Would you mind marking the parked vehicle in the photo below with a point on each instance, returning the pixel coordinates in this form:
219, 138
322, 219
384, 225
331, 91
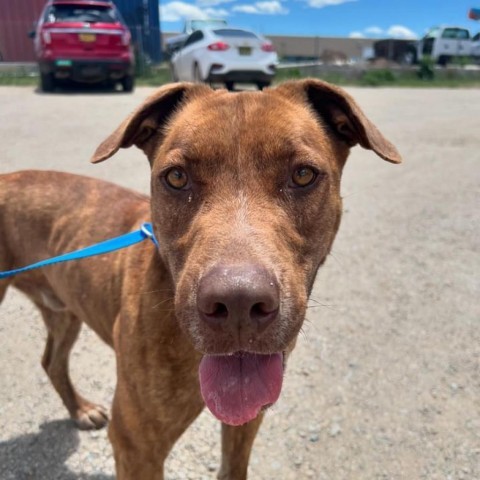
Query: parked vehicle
476, 46
175, 43
443, 44
84, 41
225, 55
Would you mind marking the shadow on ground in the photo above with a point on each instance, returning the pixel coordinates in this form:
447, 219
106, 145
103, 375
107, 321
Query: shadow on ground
43, 455
82, 89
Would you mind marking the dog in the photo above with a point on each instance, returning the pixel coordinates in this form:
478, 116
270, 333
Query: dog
245, 204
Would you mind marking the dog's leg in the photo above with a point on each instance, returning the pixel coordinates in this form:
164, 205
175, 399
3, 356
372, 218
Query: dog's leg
236, 447
142, 434
63, 329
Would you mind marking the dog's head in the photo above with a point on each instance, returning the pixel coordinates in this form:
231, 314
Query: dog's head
245, 204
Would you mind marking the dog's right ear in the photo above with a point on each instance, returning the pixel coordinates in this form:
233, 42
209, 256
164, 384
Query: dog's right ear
148, 119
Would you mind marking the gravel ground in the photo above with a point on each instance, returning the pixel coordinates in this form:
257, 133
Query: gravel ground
385, 381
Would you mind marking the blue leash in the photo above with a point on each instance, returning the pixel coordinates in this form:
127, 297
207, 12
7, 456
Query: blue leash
117, 243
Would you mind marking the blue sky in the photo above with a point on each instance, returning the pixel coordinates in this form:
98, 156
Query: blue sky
367, 18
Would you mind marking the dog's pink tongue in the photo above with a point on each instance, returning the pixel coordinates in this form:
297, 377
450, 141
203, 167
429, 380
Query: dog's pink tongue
236, 387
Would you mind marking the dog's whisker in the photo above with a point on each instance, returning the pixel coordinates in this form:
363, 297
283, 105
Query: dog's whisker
169, 290
335, 257
163, 302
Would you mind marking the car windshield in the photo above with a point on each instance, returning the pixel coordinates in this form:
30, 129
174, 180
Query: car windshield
433, 33
230, 32
81, 13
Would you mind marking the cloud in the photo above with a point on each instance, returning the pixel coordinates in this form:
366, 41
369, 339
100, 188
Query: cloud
272, 7
212, 3
399, 31
395, 31
176, 11
374, 30
216, 12
327, 3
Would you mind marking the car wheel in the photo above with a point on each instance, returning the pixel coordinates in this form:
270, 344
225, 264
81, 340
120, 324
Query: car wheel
262, 85
47, 82
229, 86
128, 83
197, 76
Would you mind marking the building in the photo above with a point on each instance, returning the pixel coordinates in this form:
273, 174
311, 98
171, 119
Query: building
17, 19
143, 20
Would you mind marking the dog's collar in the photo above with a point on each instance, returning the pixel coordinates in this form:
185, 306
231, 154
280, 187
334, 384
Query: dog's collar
123, 241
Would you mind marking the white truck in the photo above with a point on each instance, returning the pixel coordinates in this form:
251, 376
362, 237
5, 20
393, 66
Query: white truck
443, 44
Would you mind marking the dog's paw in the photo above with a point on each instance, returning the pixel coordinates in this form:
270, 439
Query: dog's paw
91, 417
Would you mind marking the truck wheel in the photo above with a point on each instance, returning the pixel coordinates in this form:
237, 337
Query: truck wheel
443, 60
47, 82
229, 86
128, 83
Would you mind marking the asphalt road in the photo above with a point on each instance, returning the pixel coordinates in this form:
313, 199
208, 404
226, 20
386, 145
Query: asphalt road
385, 381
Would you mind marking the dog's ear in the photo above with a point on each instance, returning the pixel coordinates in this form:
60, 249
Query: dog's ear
338, 110
148, 119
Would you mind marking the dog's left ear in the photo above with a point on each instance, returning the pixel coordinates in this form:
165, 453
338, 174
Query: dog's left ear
141, 126
338, 110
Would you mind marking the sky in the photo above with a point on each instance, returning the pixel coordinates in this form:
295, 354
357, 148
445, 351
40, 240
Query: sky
325, 18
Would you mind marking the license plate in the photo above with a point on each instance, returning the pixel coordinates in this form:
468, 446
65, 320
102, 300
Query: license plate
87, 37
63, 63
245, 50
91, 71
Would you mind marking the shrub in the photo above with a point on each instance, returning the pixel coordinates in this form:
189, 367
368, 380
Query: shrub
425, 69
374, 78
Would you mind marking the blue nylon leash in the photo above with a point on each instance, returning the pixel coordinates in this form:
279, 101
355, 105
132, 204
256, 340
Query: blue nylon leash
116, 243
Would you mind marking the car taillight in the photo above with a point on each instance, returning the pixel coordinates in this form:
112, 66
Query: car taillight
219, 46
268, 47
46, 37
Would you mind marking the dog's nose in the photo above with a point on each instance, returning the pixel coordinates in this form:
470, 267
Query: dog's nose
237, 296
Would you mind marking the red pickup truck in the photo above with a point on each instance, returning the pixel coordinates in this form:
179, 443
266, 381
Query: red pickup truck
83, 41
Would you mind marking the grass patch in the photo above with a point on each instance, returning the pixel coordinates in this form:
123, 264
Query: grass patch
154, 77
424, 77
10, 80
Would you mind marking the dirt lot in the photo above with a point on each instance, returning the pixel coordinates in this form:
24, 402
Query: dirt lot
385, 381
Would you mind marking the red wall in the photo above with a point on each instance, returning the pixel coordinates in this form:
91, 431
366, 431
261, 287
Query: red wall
16, 20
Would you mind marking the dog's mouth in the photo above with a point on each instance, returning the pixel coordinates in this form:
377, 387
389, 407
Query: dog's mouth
236, 388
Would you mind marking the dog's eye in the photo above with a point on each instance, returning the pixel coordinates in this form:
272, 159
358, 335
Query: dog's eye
176, 178
303, 177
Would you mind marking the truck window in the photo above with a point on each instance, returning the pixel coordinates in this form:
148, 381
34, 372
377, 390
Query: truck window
456, 34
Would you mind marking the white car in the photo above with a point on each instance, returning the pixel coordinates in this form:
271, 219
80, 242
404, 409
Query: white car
225, 55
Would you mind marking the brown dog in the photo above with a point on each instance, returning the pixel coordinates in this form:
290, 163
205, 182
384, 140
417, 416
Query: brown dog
245, 204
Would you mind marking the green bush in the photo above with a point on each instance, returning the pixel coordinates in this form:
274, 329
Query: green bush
426, 68
460, 61
374, 78
288, 74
